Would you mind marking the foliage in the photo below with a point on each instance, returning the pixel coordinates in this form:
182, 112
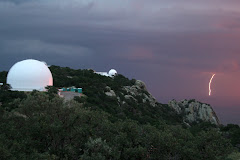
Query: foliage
232, 132
3, 76
7, 97
97, 149
94, 87
50, 128
234, 156
52, 90
41, 125
203, 126
5, 87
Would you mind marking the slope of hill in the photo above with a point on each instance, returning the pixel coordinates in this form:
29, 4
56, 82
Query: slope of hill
119, 96
116, 119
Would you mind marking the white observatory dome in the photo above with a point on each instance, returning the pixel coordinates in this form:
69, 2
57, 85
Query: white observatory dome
28, 75
112, 72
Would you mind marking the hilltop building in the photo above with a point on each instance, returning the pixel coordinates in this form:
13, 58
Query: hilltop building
70, 93
29, 75
111, 73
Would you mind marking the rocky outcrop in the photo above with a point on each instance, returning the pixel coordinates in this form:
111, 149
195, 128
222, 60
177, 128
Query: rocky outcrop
110, 92
139, 91
191, 111
194, 111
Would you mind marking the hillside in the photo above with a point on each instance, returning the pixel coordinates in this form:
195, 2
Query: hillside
130, 98
117, 118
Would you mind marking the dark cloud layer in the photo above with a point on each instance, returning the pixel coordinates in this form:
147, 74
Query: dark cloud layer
173, 46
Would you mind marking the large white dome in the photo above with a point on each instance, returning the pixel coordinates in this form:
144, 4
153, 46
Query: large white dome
28, 75
112, 72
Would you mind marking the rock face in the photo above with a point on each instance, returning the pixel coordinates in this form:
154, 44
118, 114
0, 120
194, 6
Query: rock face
190, 111
139, 90
194, 111
110, 92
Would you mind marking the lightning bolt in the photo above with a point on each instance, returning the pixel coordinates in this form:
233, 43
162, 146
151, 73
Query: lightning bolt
210, 82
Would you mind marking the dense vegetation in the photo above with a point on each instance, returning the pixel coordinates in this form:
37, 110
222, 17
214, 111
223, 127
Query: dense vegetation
41, 125
94, 87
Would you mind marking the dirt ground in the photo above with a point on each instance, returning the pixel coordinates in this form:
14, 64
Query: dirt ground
69, 95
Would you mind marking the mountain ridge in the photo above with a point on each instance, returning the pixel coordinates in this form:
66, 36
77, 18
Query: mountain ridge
116, 118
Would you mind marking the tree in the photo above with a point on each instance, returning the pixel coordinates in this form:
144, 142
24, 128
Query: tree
98, 149
212, 145
5, 87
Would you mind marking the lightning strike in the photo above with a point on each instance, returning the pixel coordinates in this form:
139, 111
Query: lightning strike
210, 82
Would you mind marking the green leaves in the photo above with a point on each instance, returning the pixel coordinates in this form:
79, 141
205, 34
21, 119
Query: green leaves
98, 149
41, 125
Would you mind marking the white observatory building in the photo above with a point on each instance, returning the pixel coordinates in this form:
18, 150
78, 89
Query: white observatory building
29, 75
111, 73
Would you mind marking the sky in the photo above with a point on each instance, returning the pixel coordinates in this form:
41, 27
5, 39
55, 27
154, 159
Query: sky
173, 46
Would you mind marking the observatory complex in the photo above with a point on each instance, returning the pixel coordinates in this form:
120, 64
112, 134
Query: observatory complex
29, 75
111, 73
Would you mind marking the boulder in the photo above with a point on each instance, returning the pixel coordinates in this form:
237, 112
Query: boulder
111, 93
194, 111
139, 90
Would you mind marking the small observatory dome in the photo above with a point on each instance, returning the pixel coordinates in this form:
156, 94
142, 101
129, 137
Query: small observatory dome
112, 72
29, 75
